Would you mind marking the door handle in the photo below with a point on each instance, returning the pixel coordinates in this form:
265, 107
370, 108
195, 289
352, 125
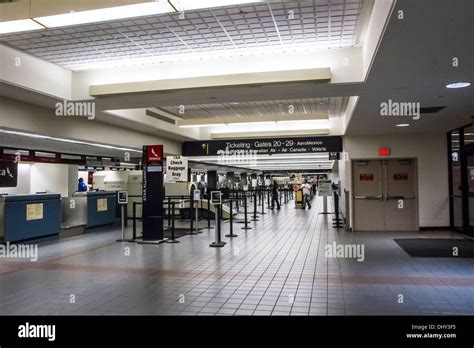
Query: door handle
369, 197
400, 197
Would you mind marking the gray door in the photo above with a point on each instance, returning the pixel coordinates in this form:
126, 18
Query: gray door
401, 205
368, 195
385, 195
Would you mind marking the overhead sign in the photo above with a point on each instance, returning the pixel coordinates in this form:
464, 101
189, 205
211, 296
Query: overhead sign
262, 146
176, 169
8, 173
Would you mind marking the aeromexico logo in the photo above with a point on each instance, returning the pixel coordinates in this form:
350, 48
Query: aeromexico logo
76, 109
394, 108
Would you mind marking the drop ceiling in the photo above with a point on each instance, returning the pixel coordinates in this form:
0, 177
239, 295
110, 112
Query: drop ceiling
275, 25
332, 107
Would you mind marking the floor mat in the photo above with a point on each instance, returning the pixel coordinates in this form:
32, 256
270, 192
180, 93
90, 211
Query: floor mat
428, 247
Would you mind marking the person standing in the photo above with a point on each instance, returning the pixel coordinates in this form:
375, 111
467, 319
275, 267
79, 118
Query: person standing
306, 188
81, 186
275, 195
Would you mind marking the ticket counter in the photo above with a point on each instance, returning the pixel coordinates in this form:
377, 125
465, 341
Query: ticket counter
99, 208
24, 217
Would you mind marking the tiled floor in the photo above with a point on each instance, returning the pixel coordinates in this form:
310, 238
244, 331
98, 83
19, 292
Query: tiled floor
277, 268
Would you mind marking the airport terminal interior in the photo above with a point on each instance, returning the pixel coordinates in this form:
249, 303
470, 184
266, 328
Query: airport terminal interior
237, 157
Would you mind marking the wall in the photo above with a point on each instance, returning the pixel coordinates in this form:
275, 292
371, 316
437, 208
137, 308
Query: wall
41, 177
430, 150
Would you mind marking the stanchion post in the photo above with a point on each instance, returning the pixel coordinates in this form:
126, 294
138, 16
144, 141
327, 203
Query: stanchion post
246, 227
218, 243
231, 234
134, 220
172, 240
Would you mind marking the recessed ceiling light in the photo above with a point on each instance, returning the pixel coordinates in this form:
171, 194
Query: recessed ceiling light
105, 14
403, 125
458, 85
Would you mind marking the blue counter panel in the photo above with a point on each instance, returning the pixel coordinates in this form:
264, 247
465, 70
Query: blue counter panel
18, 228
99, 218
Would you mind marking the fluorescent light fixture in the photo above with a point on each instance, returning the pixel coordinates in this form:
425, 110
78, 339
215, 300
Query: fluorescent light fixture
78, 142
106, 14
403, 125
458, 85
185, 5
19, 26
250, 123
203, 125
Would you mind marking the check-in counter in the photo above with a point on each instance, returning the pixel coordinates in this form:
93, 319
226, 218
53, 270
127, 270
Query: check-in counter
24, 217
100, 207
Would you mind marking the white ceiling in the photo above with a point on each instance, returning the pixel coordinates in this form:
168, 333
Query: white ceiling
333, 107
276, 25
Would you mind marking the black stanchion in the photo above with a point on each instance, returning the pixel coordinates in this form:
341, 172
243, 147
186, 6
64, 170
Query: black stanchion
208, 212
134, 220
246, 227
268, 199
231, 234
255, 207
172, 240
191, 209
169, 215
218, 243
337, 221
262, 193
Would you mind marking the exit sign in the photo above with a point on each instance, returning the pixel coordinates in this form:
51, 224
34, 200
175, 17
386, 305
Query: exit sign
384, 151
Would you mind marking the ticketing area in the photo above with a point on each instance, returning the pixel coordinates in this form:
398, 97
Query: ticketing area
215, 167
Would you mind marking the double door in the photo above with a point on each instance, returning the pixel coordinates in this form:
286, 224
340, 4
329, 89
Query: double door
385, 195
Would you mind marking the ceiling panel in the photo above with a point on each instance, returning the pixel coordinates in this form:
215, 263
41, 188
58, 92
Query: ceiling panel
277, 25
334, 106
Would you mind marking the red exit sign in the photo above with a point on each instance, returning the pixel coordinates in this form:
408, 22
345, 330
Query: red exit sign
384, 151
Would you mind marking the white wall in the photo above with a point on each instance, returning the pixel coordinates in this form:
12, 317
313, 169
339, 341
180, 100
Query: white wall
41, 177
50, 178
430, 150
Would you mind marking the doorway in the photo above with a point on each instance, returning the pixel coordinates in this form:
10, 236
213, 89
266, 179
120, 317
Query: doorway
385, 195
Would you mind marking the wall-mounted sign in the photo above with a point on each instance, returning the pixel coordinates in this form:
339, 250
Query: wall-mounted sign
384, 151
366, 177
8, 173
34, 211
176, 169
102, 204
400, 176
250, 147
